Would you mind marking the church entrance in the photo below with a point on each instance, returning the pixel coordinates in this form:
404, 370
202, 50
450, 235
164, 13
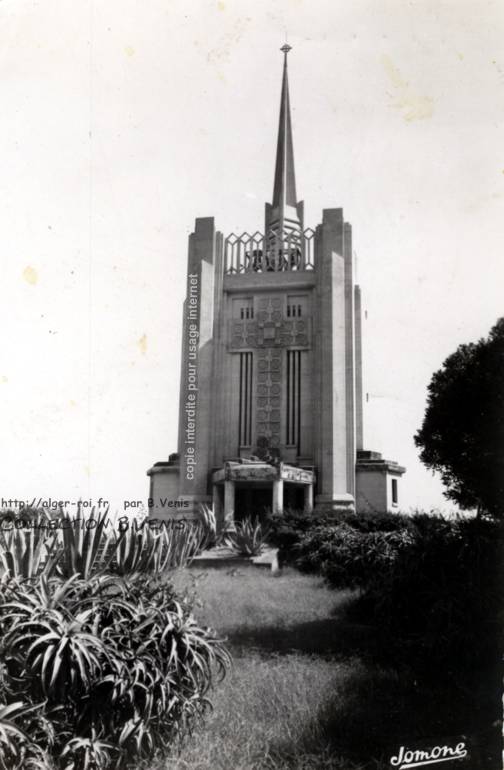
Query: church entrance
251, 489
252, 502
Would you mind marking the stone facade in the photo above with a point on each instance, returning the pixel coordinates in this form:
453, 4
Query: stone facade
271, 375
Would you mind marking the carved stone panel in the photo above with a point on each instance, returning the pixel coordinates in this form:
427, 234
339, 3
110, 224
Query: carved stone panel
269, 329
269, 391
269, 333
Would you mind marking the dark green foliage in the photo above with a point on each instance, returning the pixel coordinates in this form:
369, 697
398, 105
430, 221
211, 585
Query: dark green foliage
287, 529
441, 597
372, 522
432, 586
347, 557
462, 434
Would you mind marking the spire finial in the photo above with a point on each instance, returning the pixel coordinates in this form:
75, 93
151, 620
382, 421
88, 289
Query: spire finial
284, 213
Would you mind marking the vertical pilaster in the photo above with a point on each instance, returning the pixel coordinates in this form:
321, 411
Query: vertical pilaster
196, 404
359, 421
217, 507
278, 485
229, 503
331, 374
219, 413
308, 498
349, 357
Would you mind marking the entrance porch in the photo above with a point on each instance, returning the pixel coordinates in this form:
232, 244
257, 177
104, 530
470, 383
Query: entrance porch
249, 488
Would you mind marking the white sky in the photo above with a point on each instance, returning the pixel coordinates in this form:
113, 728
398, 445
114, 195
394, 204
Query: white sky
120, 122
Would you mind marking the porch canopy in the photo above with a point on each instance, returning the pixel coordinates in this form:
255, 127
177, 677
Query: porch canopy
255, 474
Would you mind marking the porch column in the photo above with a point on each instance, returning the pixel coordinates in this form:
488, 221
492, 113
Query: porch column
229, 504
278, 496
217, 506
308, 498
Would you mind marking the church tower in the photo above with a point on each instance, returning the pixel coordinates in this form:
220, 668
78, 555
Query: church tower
270, 410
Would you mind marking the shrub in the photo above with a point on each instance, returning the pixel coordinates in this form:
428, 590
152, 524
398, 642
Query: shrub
441, 597
286, 530
112, 669
381, 521
432, 586
346, 557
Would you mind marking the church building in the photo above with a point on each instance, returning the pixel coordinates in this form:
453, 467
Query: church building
271, 400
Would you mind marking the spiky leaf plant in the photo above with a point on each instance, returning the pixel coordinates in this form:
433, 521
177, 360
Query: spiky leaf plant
183, 541
248, 537
209, 524
120, 664
17, 749
28, 545
142, 549
87, 753
85, 544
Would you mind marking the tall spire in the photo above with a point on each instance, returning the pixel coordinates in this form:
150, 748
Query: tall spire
284, 213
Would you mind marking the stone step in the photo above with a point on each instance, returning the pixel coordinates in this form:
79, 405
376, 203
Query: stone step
226, 558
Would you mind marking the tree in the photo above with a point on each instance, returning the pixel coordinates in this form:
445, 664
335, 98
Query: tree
462, 435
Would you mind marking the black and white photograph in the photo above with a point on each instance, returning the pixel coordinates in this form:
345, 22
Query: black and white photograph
251, 384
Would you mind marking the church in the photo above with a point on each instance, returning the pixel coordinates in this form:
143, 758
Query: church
271, 398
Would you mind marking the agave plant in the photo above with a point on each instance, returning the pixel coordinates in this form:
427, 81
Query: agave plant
248, 537
120, 663
57, 653
27, 551
209, 524
137, 551
87, 753
184, 541
17, 750
140, 549
85, 544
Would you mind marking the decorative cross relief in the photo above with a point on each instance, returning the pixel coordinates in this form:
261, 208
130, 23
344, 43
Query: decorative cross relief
268, 396
268, 334
270, 329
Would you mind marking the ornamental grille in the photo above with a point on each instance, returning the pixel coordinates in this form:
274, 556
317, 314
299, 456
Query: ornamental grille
257, 253
245, 408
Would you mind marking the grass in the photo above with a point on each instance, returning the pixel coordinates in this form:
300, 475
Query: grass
309, 689
248, 600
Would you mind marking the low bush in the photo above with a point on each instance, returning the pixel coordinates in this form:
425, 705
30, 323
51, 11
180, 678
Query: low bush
347, 557
380, 521
432, 585
441, 597
286, 530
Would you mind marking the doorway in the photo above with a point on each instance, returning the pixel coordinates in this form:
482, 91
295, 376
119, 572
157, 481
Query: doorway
293, 497
252, 502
